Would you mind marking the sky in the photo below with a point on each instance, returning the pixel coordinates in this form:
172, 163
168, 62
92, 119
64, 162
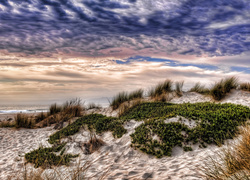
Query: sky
55, 50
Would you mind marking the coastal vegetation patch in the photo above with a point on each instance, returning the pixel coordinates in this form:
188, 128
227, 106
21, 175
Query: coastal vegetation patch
214, 124
47, 157
97, 122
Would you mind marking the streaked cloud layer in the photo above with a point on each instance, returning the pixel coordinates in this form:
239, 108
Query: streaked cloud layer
58, 48
89, 27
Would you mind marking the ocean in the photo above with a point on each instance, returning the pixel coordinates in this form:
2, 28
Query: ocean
9, 109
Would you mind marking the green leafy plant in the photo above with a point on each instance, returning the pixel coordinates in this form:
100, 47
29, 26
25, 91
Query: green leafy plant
214, 124
46, 157
96, 122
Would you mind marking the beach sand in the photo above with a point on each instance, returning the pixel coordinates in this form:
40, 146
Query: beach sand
116, 159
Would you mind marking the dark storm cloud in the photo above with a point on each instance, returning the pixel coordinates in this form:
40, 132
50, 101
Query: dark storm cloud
196, 27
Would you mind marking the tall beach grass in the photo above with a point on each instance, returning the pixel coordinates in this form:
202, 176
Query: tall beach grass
232, 162
224, 86
199, 89
245, 86
122, 97
161, 88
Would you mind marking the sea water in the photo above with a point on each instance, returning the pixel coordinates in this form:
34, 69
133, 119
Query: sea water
11, 109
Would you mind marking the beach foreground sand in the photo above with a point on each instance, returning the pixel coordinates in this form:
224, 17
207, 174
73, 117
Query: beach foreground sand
116, 159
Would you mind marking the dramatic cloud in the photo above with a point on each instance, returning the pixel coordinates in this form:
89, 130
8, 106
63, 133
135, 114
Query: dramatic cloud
58, 49
89, 27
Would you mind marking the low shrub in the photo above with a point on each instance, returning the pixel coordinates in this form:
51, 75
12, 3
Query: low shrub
96, 122
169, 134
214, 124
46, 157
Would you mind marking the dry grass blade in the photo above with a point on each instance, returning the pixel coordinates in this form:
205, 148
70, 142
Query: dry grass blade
122, 97
245, 86
232, 162
221, 88
23, 120
93, 106
199, 88
161, 88
178, 88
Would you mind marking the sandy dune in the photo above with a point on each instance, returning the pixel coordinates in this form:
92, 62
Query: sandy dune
116, 156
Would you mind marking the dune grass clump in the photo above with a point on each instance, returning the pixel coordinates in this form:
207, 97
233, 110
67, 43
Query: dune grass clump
126, 106
137, 94
120, 98
96, 122
60, 113
199, 89
93, 106
7, 124
221, 88
232, 162
214, 124
46, 157
124, 97
178, 88
73, 107
245, 86
41, 116
23, 121
93, 144
54, 109
161, 89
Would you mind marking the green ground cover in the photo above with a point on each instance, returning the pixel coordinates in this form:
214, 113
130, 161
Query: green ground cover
96, 122
214, 124
46, 157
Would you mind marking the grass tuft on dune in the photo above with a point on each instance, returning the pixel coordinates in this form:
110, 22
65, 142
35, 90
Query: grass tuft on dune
232, 162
